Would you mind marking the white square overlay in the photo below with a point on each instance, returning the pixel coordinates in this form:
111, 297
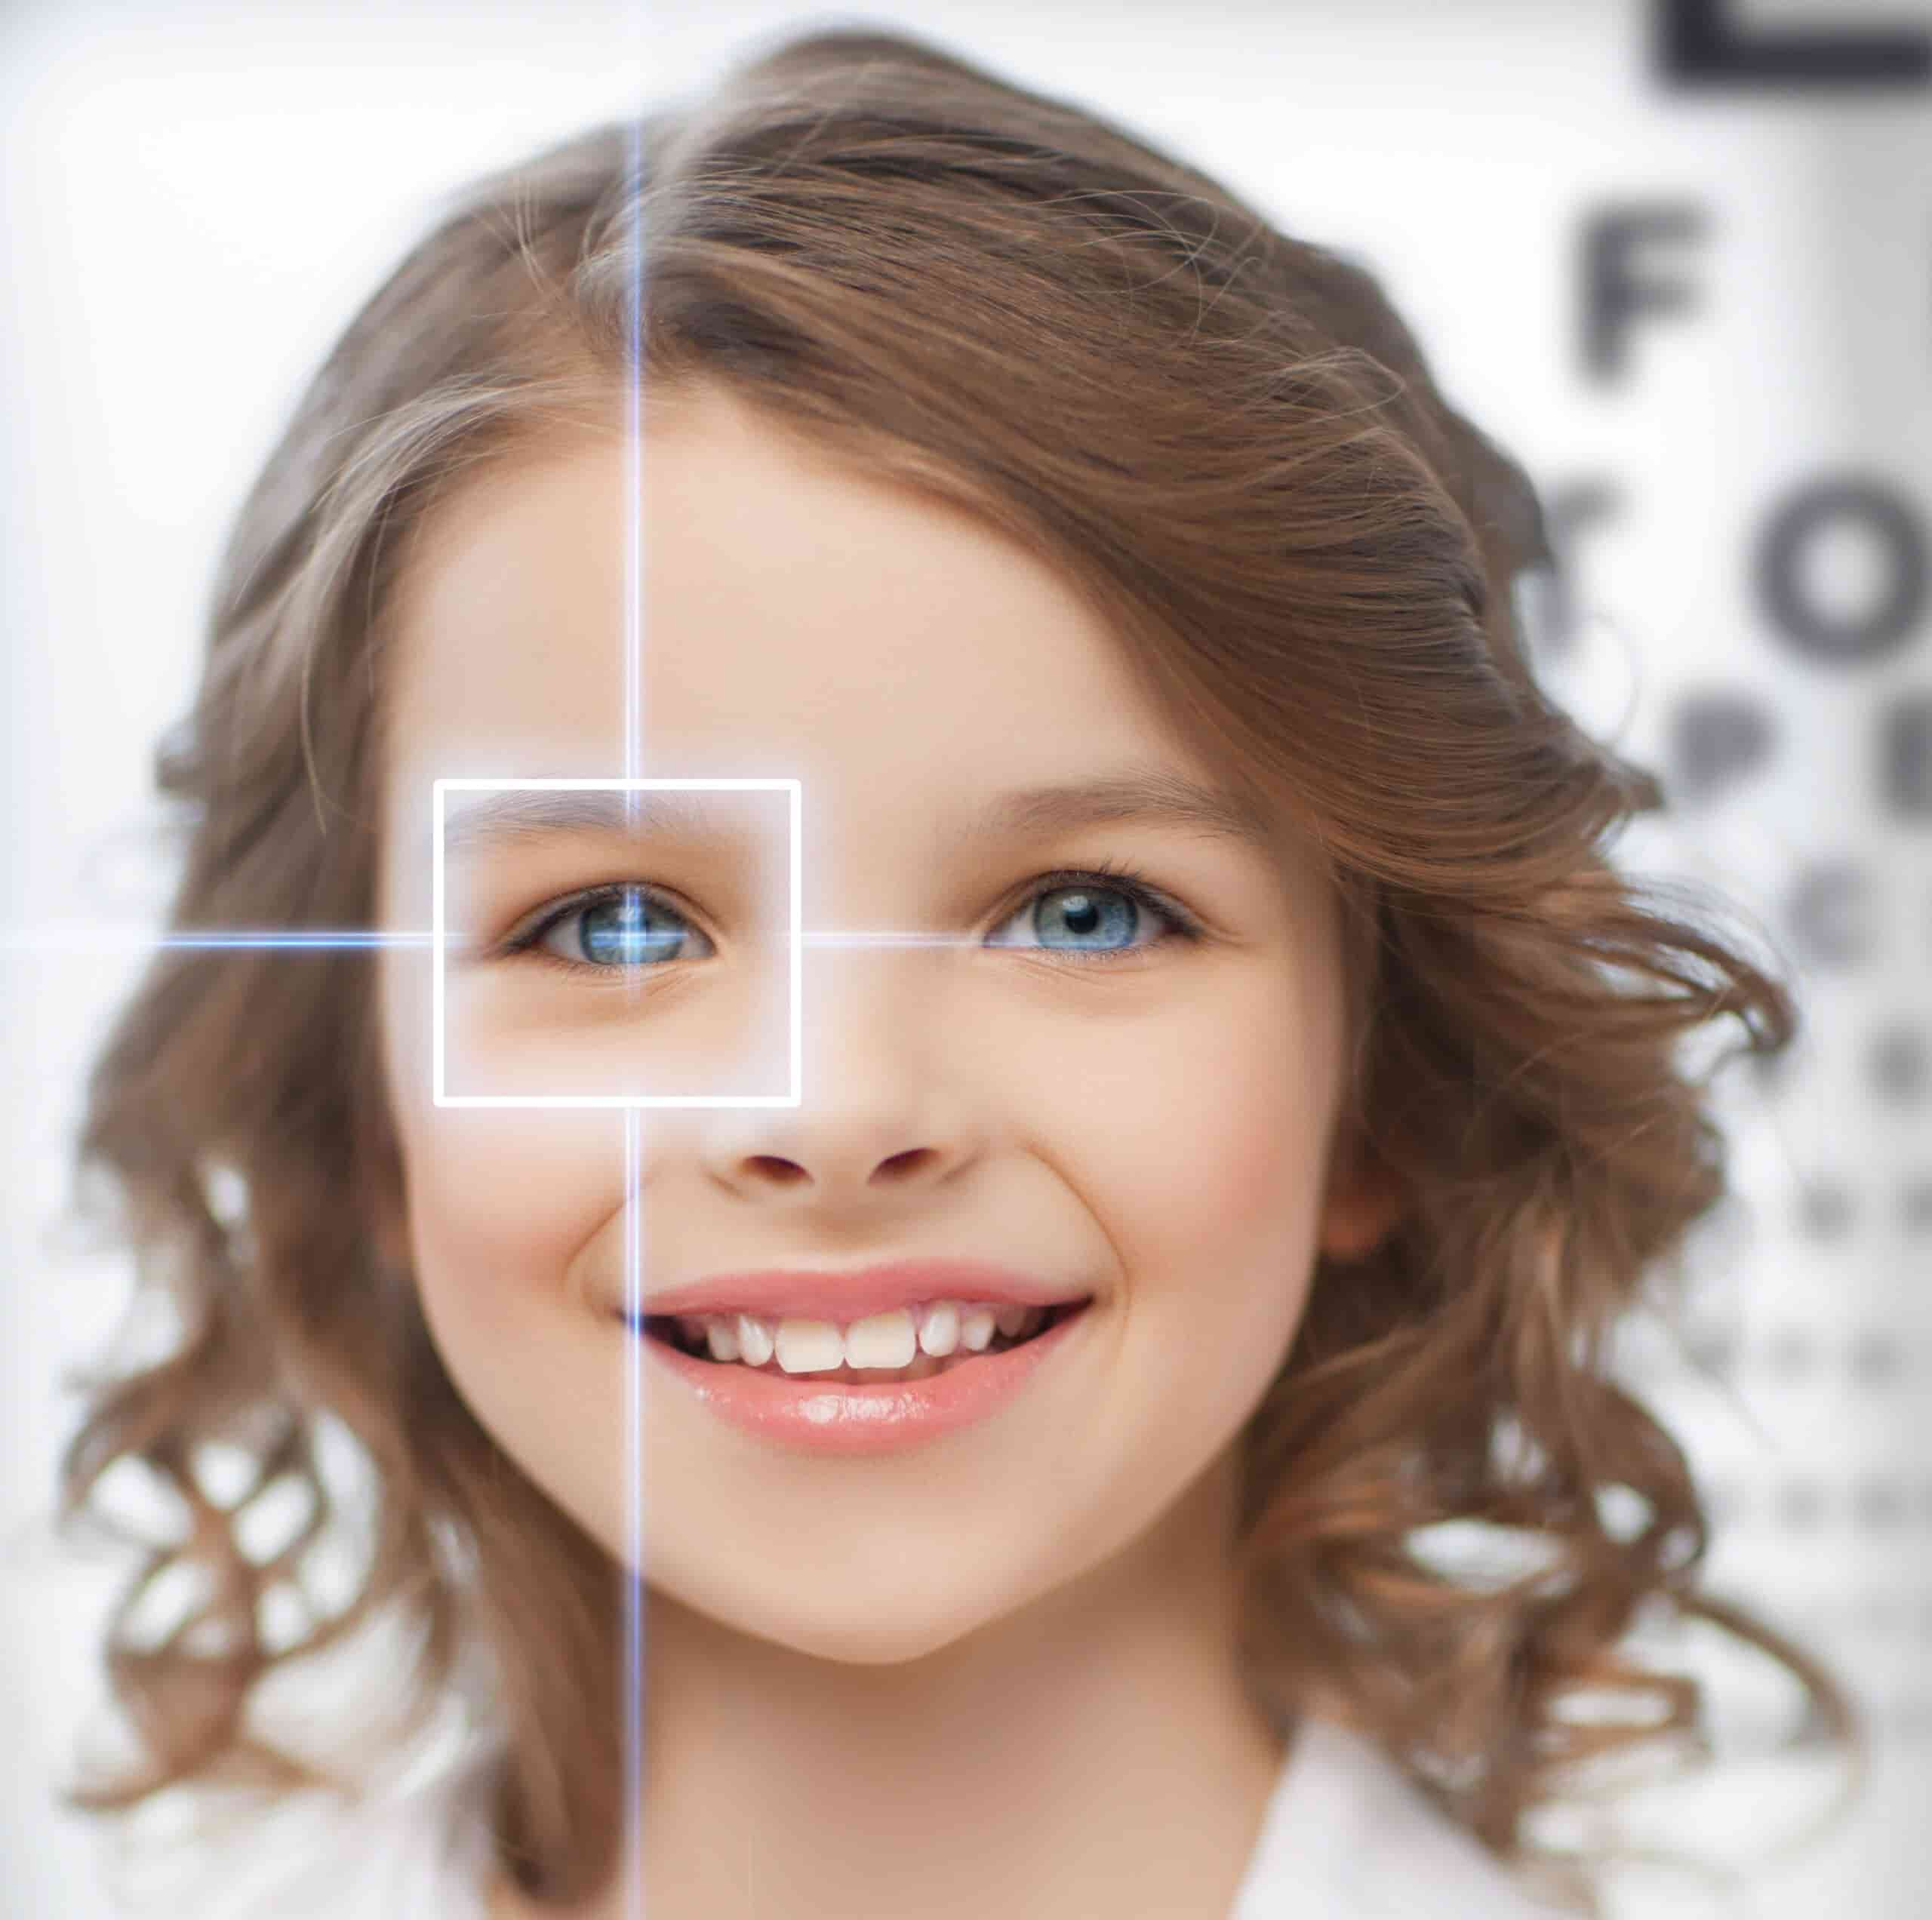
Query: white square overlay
441, 787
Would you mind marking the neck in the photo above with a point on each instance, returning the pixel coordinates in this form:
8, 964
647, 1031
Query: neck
1093, 1752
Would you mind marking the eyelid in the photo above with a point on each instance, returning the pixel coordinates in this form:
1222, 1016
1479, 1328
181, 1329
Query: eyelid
526, 936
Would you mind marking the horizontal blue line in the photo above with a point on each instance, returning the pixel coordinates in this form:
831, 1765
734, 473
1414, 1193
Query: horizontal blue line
364, 942
351, 941
122, 938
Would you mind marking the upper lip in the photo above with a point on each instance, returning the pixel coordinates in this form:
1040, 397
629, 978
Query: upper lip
798, 1294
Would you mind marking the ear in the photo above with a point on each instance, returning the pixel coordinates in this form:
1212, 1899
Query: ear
1362, 1201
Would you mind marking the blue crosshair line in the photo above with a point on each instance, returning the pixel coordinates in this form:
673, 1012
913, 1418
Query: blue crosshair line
120, 939
66, 940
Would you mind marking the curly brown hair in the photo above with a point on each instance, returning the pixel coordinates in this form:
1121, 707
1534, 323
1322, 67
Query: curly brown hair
1229, 440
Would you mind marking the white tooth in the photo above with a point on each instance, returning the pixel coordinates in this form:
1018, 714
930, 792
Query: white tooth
976, 1329
882, 1340
1009, 1319
809, 1346
939, 1330
722, 1338
754, 1340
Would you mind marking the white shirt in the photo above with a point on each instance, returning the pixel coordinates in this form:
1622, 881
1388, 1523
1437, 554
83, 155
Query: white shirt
1348, 1833
1346, 1836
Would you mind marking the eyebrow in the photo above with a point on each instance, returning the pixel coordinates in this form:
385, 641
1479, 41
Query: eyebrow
1142, 796
516, 817
1139, 796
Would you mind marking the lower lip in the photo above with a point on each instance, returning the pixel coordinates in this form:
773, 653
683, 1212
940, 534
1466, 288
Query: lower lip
844, 1417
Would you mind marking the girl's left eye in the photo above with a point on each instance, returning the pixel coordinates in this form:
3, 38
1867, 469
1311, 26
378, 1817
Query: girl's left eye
613, 927
1084, 901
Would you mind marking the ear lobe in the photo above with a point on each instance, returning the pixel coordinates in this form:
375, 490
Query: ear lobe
1363, 1202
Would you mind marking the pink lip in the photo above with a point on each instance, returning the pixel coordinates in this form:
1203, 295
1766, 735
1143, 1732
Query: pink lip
840, 1297
824, 1416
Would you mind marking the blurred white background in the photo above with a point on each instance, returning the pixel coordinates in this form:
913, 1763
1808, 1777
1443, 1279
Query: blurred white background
196, 197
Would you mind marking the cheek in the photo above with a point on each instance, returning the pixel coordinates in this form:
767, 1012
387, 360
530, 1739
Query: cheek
496, 1213
1202, 1140
1197, 1142
501, 1204
500, 1201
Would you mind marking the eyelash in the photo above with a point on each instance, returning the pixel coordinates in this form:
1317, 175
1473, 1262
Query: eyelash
1114, 875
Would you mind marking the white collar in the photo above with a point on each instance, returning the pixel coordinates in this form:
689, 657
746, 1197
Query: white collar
1347, 1832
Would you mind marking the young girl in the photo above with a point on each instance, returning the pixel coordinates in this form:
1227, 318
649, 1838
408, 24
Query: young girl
1238, 1096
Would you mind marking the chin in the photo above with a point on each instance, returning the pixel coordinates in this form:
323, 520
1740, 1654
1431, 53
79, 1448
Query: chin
855, 1622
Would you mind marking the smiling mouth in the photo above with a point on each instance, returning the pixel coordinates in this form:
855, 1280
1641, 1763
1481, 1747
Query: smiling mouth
666, 1328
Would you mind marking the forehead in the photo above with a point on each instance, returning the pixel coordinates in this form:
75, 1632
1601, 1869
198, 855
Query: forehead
759, 610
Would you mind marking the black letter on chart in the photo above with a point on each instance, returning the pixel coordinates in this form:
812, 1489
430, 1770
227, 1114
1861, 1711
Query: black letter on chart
1716, 739
1612, 294
1699, 46
1547, 596
1906, 758
1901, 606
1825, 911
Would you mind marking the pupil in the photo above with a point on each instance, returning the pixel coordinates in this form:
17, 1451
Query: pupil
1078, 908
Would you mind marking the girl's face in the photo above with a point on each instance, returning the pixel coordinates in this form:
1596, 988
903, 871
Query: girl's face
1154, 1130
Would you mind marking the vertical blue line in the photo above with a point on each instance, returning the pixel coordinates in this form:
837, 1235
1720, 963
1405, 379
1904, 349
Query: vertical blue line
632, 1573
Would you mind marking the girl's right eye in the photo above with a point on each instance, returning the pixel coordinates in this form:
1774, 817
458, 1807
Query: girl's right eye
613, 927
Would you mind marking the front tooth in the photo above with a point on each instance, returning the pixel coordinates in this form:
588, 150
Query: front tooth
754, 1340
809, 1346
939, 1331
1009, 1319
883, 1339
976, 1329
722, 1338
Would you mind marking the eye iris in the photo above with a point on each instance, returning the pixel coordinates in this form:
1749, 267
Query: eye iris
617, 931
1078, 911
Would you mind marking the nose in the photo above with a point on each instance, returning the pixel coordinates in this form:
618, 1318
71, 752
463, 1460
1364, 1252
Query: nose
886, 1109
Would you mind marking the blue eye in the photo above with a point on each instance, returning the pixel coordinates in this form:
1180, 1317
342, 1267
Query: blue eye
612, 928
1109, 901
615, 927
